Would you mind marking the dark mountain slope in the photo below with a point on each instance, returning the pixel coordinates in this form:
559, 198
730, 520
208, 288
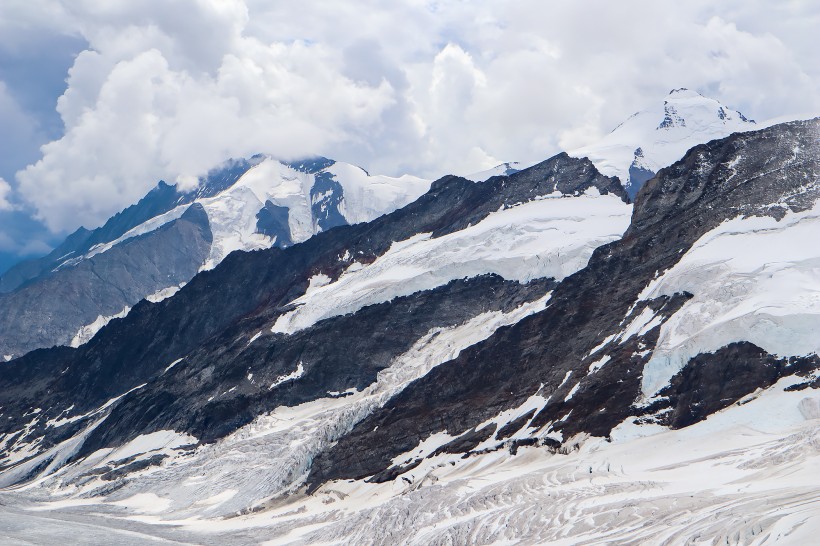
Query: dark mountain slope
52, 310
760, 173
48, 300
254, 288
211, 395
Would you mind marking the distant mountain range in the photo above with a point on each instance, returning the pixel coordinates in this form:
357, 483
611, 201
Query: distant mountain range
153, 247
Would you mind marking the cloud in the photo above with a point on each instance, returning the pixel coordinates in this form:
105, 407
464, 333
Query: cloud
5, 192
168, 89
144, 121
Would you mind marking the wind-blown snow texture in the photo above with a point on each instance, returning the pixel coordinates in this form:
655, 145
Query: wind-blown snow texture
657, 137
629, 393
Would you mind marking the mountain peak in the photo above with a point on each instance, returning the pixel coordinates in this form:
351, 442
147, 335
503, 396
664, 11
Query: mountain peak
504, 169
658, 136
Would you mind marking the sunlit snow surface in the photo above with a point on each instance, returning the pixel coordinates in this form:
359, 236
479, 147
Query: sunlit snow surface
549, 237
232, 212
664, 133
367, 196
754, 279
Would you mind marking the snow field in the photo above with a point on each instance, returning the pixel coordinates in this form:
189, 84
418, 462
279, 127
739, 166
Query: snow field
550, 237
754, 279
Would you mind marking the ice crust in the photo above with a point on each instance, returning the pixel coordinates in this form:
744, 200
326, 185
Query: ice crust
754, 279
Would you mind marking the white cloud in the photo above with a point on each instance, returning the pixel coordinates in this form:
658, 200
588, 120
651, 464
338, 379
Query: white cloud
168, 89
5, 193
146, 121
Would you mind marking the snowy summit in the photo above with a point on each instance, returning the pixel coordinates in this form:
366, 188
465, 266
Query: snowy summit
658, 136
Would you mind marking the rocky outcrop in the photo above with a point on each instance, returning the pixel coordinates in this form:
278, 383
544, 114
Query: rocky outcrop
209, 361
46, 301
53, 309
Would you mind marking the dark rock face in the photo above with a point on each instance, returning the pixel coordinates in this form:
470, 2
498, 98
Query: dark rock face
713, 381
560, 173
638, 175
232, 368
51, 311
106, 284
671, 118
326, 196
509, 169
23, 272
312, 165
741, 175
44, 302
221, 178
467, 441
214, 316
211, 396
272, 221
159, 200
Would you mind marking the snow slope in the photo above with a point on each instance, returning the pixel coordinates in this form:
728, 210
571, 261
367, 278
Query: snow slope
504, 169
232, 213
745, 475
275, 451
553, 236
657, 137
369, 196
754, 279
737, 479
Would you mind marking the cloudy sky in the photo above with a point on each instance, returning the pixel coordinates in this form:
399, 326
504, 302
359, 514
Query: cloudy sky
100, 100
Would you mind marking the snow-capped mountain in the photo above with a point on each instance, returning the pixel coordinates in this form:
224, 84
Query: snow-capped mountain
524, 358
651, 139
152, 248
279, 204
657, 137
